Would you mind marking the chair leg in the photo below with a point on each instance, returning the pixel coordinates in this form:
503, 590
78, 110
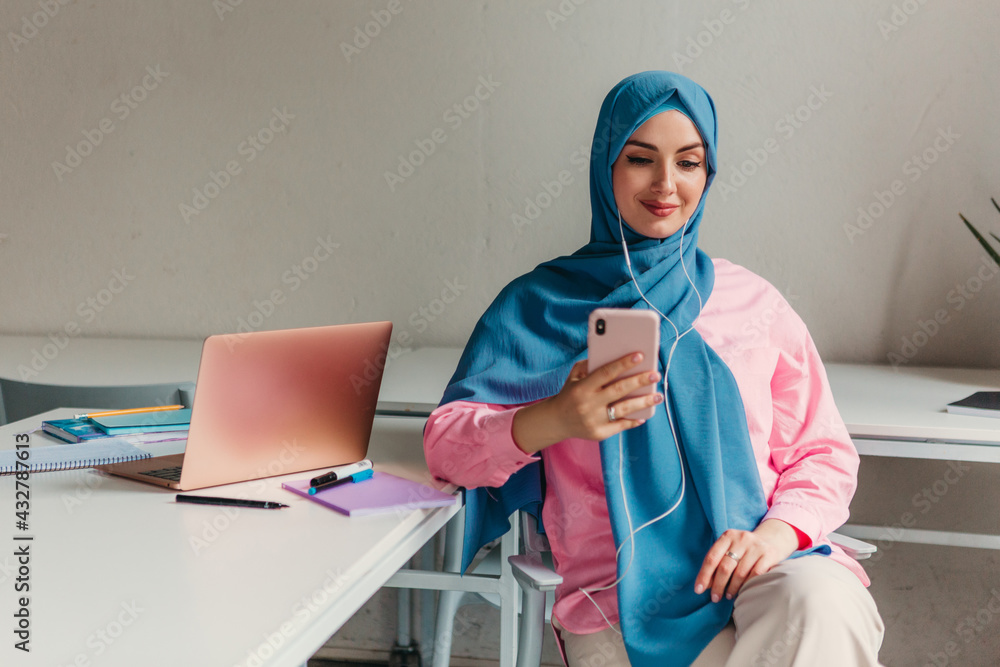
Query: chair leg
448, 604
427, 606
510, 596
449, 601
529, 639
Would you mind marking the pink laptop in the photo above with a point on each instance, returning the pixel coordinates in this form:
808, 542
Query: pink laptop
271, 403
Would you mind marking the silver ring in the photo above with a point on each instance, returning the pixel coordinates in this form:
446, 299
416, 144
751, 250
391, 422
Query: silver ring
611, 413
733, 556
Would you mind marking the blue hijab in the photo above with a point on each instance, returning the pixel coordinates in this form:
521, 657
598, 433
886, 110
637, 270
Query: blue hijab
524, 346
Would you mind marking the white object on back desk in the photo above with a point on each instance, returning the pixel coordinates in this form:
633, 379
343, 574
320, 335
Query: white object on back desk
198, 585
414, 381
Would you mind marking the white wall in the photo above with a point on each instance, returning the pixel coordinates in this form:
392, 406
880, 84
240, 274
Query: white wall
448, 227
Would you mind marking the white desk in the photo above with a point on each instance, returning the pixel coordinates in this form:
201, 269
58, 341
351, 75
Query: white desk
110, 551
902, 414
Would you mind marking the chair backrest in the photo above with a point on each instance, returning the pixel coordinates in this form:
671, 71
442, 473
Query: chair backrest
27, 399
534, 542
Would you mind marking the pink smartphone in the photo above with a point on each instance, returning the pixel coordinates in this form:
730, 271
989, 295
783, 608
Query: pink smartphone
613, 333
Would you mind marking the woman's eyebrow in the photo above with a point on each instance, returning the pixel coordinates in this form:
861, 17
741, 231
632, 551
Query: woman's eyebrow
651, 147
641, 144
691, 147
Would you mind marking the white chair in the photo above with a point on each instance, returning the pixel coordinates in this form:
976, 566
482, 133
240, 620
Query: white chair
531, 570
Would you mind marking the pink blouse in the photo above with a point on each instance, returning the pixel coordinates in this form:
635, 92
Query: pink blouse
807, 462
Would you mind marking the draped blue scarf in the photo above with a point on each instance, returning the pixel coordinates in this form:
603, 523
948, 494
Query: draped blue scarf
522, 350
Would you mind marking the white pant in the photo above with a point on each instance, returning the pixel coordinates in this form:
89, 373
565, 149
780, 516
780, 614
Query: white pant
806, 612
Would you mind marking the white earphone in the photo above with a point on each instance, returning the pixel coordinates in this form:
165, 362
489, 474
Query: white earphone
621, 454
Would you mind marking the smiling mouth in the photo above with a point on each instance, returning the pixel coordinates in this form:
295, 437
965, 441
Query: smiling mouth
659, 209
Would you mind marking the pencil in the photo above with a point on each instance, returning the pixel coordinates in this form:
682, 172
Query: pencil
129, 411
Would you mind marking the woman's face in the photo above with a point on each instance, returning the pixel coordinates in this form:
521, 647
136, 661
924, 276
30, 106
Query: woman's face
659, 176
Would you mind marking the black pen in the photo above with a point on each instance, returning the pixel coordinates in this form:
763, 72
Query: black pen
341, 472
235, 502
356, 477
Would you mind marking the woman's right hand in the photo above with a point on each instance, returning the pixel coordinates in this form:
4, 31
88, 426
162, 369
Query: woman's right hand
580, 409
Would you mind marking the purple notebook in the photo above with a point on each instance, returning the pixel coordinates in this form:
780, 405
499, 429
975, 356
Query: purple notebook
378, 495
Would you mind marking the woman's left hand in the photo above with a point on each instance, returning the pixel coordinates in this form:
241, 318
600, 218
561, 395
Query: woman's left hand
757, 551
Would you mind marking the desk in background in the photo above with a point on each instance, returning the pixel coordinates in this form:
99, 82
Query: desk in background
897, 413
901, 414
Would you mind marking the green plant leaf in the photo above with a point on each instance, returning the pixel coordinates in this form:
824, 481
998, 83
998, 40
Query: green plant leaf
982, 241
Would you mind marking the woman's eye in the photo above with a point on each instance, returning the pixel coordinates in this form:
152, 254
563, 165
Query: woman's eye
633, 159
689, 164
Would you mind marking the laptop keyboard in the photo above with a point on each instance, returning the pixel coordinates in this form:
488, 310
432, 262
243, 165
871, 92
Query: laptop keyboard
173, 474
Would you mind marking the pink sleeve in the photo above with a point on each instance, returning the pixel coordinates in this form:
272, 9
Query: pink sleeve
470, 444
811, 450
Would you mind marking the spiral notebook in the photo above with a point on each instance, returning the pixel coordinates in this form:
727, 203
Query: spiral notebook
68, 457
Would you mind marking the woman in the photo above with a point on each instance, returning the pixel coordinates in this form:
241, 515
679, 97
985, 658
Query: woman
717, 508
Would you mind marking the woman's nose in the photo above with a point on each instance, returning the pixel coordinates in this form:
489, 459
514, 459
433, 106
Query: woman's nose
665, 180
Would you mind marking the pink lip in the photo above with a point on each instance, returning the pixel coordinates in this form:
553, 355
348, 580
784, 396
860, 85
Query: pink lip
659, 209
